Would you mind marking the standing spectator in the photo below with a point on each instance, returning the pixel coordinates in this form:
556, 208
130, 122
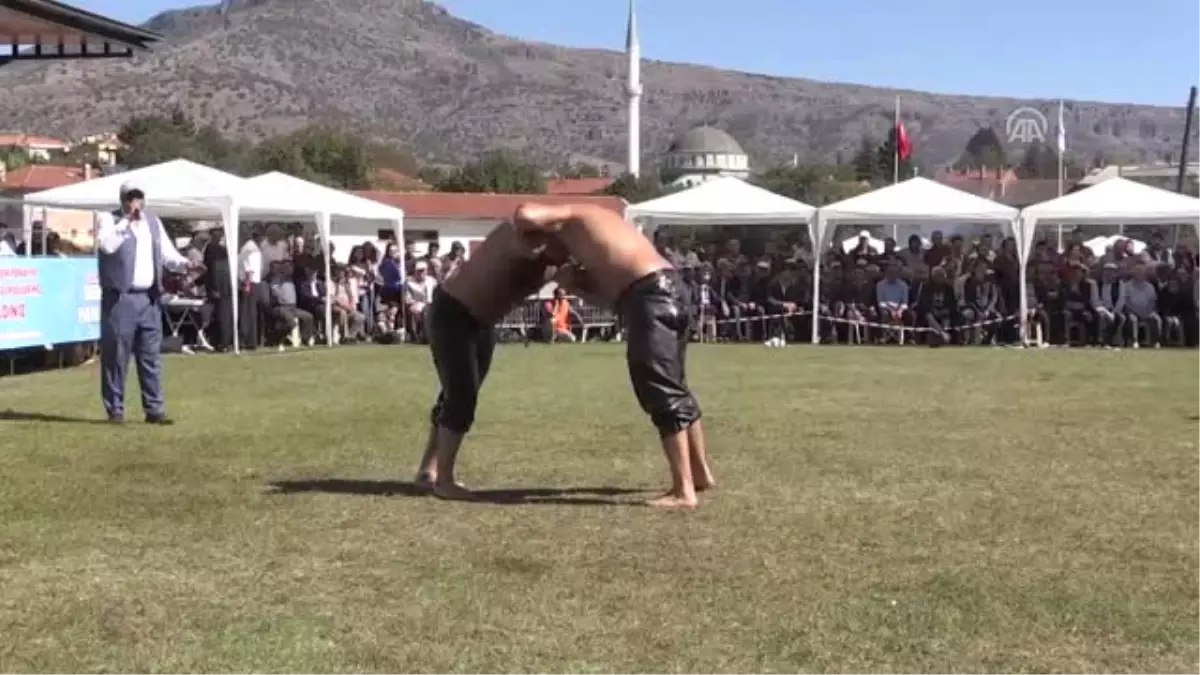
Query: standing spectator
1157, 250
276, 248
219, 289
391, 284
708, 304
255, 299
1139, 302
134, 249
914, 253
453, 259
938, 251
558, 315
433, 260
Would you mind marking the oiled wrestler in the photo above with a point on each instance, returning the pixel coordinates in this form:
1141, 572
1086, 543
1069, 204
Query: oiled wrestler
460, 324
614, 265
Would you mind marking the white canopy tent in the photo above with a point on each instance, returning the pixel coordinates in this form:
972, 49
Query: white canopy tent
1100, 245
1116, 201
186, 190
333, 207
916, 201
722, 201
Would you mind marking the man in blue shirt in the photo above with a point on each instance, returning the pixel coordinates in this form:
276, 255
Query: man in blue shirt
891, 294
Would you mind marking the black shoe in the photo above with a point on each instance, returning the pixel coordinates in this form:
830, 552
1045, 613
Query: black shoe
161, 420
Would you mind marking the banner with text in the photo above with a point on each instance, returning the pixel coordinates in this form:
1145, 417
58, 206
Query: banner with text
48, 301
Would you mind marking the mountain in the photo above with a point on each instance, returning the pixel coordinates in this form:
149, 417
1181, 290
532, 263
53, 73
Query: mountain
409, 71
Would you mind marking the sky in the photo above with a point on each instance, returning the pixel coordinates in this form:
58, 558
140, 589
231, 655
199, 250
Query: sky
1117, 51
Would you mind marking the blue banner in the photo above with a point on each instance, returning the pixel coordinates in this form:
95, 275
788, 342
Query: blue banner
48, 301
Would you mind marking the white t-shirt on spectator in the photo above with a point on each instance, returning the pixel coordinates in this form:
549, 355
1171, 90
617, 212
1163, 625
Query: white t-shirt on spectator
250, 262
275, 252
420, 290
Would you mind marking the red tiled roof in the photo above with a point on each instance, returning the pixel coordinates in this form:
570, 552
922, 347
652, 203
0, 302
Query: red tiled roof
41, 177
397, 180
27, 140
577, 186
475, 206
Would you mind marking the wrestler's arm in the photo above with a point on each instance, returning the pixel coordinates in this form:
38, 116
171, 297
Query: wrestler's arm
576, 281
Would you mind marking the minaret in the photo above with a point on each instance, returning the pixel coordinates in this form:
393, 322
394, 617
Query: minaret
634, 51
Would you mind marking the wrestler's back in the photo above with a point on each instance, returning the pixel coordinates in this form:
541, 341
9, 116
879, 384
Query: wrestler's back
496, 277
614, 253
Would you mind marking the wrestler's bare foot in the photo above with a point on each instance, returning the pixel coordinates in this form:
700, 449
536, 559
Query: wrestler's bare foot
455, 491
673, 501
426, 482
705, 482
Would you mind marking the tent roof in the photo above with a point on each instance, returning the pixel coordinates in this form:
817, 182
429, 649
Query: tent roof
175, 189
917, 200
340, 205
724, 201
1116, 201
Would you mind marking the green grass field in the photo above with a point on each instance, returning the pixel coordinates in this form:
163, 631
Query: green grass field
896, 509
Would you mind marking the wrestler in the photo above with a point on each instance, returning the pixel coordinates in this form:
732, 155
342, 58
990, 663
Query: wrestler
460, 322
614, 265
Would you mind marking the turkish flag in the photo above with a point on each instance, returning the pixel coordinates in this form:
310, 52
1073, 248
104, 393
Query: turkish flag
904, 146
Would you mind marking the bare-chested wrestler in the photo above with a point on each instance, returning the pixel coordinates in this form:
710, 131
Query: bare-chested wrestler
614, 265
461, 321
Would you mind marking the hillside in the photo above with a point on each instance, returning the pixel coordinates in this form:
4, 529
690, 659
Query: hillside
408, 70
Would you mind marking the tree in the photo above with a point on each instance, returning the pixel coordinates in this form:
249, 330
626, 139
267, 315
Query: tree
154, 139
886, 160
984, 152
865, 162
497, 172
319, 153
578, 171
13, 157
636, 190
816, 185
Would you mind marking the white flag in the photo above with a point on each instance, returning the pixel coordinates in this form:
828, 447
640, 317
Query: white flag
1062, 132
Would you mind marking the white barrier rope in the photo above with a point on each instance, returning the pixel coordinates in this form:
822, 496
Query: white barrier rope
868, 324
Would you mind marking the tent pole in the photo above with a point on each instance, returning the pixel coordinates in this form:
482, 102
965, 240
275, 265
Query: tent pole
324, 223
232, 248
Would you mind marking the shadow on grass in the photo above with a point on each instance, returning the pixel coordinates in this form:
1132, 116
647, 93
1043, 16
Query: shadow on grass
575, 496
17, 416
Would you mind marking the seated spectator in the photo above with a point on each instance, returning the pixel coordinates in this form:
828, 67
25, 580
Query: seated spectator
1110, 325
1035, 313
938, 252
758, 290
936, 306
1077, 303
1050, 302
1139, 302
860, 303
295, 323
979, 305
350, 322
891, 295
784, 299
559, 313
1174, 306
417, 296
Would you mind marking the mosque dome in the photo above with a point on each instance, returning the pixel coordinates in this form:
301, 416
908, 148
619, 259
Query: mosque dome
701, 154
706, 139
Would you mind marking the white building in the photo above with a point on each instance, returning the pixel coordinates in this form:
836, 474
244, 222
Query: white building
702, 154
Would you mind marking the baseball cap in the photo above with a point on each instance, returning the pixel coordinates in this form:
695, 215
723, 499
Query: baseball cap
129, 187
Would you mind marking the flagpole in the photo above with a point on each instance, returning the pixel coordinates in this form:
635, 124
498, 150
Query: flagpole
896, 158
1062, 134
896, 144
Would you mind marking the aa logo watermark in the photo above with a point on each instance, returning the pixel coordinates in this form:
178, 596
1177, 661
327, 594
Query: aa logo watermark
1026, 125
